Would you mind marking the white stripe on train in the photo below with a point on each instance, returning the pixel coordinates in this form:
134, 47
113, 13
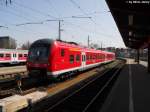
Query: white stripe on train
57, 73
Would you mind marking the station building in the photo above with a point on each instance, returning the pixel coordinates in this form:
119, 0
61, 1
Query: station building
7, 42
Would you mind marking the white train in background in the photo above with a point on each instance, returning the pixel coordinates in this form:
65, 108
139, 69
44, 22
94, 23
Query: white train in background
13, 56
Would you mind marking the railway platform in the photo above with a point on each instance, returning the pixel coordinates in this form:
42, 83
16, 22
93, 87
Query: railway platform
131, 92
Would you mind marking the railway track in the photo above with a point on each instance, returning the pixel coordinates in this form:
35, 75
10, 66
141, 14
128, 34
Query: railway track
30, 85
86, 98
82, 98
9, 87
9, 73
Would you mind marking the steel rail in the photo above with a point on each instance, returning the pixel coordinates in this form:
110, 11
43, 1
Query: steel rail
64, 99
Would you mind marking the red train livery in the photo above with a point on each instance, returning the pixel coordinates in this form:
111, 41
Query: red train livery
13, 56
58, 57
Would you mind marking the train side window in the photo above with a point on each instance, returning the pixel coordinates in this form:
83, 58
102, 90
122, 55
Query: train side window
1, 55
25, 55
100, 57
20, 55
7, 55
96, 57
87, 57
93, 57
77, 57
90, 57
104, 57
62, 52
71, 58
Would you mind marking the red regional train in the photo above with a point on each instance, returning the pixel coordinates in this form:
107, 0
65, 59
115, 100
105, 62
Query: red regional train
57, 58
13, 56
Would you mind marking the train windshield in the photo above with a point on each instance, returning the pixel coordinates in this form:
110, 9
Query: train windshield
39, 54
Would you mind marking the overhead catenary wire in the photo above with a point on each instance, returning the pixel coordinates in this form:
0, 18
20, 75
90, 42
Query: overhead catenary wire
85, 13
45, 14
15, 14
76, 5
52, 6
35, 10
21, 24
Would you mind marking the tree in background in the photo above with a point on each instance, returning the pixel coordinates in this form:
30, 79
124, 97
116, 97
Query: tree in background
6, 2
93, 45
26, 45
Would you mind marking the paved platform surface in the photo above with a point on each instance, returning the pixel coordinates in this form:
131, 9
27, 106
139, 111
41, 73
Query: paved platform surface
131, 92
6, 70
144, 63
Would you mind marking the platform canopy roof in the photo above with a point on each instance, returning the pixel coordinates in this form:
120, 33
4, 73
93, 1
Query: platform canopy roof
133, 21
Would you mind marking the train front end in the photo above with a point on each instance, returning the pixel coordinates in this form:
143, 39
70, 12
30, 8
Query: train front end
38, 60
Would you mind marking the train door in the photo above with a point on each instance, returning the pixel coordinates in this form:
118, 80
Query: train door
83, 60
14, 57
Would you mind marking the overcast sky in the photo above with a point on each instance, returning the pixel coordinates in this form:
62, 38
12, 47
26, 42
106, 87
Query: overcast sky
101, 27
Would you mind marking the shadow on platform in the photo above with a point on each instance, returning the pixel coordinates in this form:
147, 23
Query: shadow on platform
119, 98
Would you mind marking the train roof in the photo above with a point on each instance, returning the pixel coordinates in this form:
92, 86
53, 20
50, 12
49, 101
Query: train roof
107, 52
12, 50
48, 41
45, 41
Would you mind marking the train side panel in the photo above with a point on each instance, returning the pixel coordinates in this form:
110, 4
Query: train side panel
10, 56
64, 59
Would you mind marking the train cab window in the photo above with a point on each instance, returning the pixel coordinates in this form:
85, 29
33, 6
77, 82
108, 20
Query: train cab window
7, 55
20, 55
77, 57
71, 58
1, 55
62, 52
